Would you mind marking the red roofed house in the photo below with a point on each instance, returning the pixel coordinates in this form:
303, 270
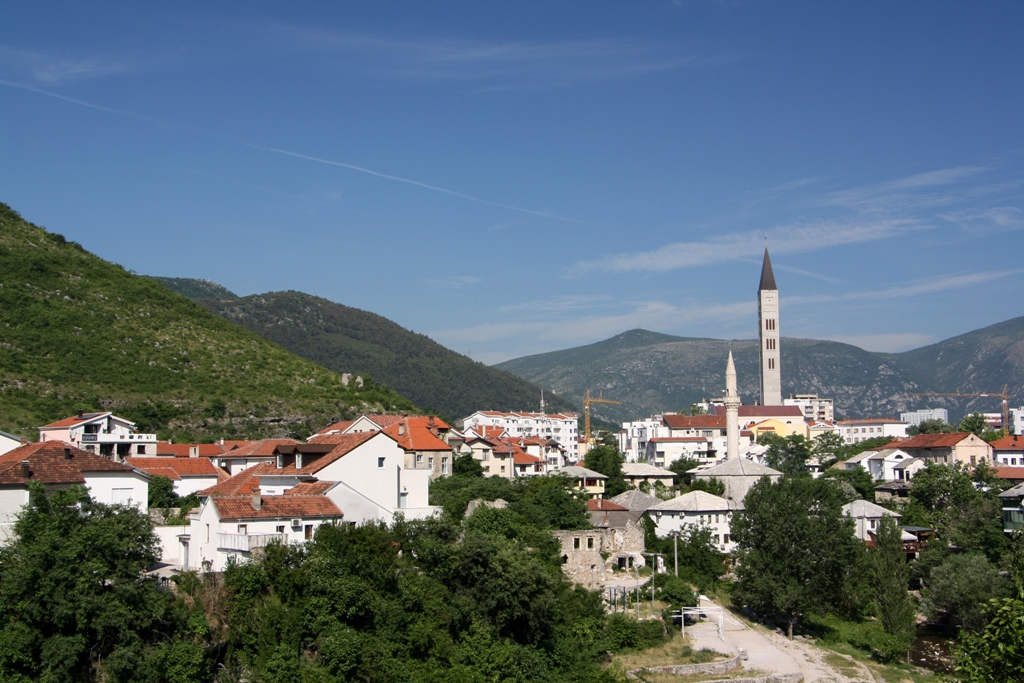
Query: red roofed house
239, 456
100, 433
57, 466
749, 415
423, 437
358, 477
189, 475
189, 450
963, 447
1009, 450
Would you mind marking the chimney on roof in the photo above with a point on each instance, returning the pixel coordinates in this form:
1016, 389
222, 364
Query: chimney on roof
80, 412
401, 429
257, 501
67, 453
25, 470
24, 441
193, 451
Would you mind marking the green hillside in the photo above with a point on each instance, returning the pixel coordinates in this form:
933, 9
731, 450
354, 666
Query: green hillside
196, 289
651, 372
346, 339
79, 332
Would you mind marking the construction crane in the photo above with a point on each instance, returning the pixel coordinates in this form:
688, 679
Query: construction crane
587, 400
991, 394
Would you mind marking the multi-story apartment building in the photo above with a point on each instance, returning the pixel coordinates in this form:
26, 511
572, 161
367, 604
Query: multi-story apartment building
918, 416
854, 431
562, 427
813, 407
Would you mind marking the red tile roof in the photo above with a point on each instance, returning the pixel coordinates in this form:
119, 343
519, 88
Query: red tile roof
1010, 473
694, 421
524, 458
230, 444
343, 445
259, 449
932, 440
74, 420
873, 421
183, 467
413, 434
184, 450
1009, 443
310, 488
765, 411
48, 464
678, 439
246, 481
595, 504
276, 507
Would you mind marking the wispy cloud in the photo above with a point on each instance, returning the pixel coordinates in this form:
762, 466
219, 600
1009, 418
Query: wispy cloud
491, 64
995, 219
920, 287
417, 183
83, 103
790, 239
47, 69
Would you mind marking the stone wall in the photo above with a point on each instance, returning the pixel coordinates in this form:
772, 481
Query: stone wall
590, 555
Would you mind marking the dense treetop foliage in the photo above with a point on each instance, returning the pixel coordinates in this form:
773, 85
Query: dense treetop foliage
79, 332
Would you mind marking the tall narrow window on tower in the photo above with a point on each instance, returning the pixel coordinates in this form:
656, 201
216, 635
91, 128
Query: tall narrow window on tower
768, 314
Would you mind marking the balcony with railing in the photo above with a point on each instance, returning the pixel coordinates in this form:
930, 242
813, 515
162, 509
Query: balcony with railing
246, 542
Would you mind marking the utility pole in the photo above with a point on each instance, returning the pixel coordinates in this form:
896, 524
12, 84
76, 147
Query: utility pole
675, 548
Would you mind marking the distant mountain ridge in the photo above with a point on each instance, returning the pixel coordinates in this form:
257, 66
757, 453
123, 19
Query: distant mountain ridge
346, 339
652, 372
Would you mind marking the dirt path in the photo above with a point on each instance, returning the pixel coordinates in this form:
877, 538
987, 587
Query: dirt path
770, 652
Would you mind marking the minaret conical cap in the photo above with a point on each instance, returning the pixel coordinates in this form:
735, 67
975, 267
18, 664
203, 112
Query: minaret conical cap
767, 276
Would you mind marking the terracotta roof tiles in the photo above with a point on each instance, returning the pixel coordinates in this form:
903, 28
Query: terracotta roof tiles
276, 507
49, 463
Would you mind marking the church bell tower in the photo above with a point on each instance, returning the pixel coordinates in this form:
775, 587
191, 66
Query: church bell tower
768, 318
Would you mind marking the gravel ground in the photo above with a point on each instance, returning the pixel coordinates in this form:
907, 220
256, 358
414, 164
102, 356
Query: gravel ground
769, 651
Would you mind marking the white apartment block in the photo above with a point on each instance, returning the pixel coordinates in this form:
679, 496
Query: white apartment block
1017, 421
813, 407
562, 427
918, 416
633, 437
855, 431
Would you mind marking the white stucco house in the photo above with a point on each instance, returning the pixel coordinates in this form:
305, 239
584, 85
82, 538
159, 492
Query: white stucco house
737, 474
695, 509
336, 478
867, 517
100, 433
8, 442
58, 465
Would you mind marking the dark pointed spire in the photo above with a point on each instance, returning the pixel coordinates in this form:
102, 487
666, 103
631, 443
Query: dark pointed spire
767, 276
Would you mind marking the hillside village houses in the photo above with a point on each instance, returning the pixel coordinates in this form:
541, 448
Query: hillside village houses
100, 433
562, 427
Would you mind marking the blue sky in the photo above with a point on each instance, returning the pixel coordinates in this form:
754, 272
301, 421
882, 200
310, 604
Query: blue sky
523, 177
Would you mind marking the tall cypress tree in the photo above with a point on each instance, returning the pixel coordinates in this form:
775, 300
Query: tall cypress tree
891, 574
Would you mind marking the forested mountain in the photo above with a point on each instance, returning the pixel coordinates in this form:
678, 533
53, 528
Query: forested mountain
79, 332
346, 339
651, 372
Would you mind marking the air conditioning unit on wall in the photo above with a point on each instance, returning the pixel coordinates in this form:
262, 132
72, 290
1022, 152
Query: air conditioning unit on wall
296, 523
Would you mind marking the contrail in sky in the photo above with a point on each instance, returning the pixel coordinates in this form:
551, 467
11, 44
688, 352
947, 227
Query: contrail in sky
417, 183
353, 167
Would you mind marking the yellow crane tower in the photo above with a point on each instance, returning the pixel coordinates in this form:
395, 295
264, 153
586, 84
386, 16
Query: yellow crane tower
587, 400
991, 394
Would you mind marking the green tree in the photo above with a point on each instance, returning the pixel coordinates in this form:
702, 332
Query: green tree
974, 423
960, 588
75, 602
890, 574
931, 427
787, 454
712, 485
467, 466
858, 478
828, 447
608, 461
161, 493
680, 467
795, 547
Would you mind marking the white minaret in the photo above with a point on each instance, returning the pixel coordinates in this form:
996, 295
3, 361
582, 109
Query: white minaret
732, 411
768, 317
